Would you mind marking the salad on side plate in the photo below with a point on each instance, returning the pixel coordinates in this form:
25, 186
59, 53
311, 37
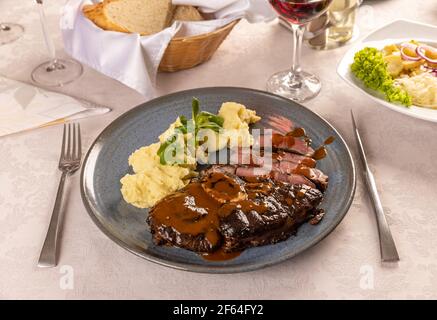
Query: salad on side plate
404, 73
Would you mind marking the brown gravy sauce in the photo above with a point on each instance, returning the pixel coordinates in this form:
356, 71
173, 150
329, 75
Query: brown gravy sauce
297, 133
321, 152
198, 210
194, 214
220, 255
329, 140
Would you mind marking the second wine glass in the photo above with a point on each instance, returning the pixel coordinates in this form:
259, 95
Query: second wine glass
56, 72
9, 32
295, 83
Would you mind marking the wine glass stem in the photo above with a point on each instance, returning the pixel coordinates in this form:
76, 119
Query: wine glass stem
48, 40
298, 31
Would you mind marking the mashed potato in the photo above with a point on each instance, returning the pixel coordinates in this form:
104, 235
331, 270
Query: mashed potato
237, 119
422, 88
237, 116
152, 181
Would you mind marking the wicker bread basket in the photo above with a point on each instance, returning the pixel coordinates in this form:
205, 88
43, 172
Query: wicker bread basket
187, 52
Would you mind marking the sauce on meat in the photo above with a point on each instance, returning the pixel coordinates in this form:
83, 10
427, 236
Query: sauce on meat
297, 133
321, 152
329, 140
198, 210
215, 196
194, 214
220, 255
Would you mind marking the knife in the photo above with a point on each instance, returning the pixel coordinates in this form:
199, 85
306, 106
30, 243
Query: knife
386, 242
92, 110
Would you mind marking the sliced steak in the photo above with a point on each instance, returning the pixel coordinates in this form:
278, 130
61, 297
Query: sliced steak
221, 210
294, 158
219, 168
292, 179
247, 171
284, 209
298, 145
318, 178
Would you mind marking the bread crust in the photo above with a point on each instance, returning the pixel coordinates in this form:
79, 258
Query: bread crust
96, 13
187, 13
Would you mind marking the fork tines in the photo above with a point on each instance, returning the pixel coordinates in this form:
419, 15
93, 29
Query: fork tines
71, 149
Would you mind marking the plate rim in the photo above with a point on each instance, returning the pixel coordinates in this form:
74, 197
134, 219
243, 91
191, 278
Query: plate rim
399, 109
213, 269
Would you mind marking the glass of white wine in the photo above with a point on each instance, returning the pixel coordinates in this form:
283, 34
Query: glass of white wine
340, 27
342, 18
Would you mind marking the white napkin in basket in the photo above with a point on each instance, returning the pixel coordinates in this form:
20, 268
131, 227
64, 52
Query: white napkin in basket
133, 59
252, 10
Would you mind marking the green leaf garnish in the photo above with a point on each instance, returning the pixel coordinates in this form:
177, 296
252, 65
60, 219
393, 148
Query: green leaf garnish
195, 107
200, 120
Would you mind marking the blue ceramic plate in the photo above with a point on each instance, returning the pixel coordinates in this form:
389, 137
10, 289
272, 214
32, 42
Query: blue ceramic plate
107, 161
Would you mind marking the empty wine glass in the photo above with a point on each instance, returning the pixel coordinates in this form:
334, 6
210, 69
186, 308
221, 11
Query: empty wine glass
56, 72
9, 32
295, 83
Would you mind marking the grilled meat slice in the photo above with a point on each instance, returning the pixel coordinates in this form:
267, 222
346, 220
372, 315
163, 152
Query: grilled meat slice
284, 167
298, 145
288, 206
219, 209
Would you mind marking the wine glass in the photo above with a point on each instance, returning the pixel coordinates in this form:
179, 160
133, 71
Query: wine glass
296, 84
56, 72
9, 32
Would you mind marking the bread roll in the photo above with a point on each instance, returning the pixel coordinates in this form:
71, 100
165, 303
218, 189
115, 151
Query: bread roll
139, 16
95, 14
187, 13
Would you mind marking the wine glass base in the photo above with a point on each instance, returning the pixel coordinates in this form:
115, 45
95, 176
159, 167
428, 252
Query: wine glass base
57, 74
300, 87
9, 32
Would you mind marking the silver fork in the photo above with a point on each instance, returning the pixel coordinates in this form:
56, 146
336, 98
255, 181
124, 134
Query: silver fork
69, 163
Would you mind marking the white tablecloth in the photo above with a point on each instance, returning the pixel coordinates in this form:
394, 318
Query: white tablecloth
401, 150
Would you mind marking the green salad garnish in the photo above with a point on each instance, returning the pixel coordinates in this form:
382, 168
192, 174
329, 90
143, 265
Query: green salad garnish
369, 66
189, 128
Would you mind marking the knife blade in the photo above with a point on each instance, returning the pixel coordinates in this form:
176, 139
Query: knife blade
388, 249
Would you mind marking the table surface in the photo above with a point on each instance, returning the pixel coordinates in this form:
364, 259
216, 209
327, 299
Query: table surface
401, 151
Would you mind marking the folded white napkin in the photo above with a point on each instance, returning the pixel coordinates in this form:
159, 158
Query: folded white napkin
24, 107
133, 59
252, 10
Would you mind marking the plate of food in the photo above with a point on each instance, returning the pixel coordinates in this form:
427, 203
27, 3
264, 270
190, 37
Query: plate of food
218, 180
397, 67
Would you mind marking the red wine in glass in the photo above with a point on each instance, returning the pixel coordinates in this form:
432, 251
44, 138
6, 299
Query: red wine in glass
295, 83
300, 11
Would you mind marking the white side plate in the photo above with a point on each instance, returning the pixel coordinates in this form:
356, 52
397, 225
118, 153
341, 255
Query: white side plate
394, 32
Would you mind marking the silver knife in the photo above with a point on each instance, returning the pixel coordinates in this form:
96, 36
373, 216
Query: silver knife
386, 242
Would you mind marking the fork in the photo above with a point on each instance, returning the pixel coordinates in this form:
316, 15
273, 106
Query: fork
69, 163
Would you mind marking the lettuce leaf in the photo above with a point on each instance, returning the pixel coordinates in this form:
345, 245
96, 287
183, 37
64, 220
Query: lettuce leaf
369, 67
